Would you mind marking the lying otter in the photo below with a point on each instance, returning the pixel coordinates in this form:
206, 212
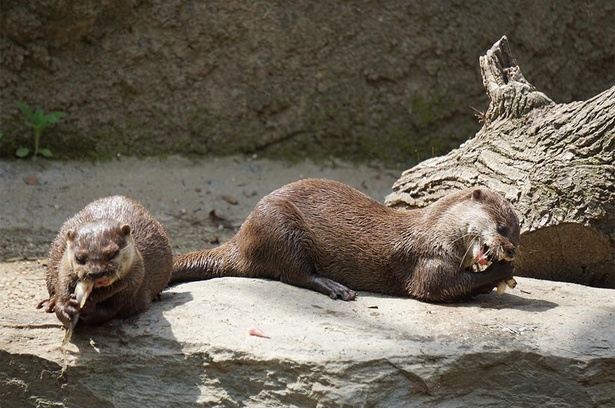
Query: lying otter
109, 260
328, 237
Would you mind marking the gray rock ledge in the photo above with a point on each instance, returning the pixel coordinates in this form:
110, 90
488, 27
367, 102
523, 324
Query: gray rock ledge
541, 344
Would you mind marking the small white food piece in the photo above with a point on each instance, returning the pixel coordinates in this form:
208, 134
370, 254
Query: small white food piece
510, 283
501, 287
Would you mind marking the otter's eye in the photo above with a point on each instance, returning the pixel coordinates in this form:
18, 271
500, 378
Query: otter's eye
80, 259
503, 229
113, 255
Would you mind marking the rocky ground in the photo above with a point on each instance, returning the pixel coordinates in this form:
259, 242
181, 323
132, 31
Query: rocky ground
541, 344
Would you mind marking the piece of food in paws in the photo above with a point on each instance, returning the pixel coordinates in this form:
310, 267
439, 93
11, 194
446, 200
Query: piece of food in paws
82, 291
510, 283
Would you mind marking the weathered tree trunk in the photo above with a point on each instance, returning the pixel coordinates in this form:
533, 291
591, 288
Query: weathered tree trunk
555, 163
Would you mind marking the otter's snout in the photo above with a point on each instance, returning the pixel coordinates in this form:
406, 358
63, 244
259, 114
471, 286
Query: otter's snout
509, 251
96, 274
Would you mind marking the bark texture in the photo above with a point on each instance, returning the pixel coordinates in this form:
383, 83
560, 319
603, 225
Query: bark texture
554, 162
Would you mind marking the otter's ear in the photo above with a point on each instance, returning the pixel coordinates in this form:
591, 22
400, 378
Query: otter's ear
477, 194
125, 229
70, 235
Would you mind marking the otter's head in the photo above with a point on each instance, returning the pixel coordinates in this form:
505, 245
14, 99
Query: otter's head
99, 252
491, 228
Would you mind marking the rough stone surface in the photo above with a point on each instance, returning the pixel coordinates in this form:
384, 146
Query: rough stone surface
542, 344
394, 80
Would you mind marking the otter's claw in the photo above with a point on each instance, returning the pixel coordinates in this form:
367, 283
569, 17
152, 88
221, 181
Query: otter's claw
332, 288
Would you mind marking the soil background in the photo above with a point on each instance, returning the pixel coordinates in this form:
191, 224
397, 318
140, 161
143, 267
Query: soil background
394, 81
200, 202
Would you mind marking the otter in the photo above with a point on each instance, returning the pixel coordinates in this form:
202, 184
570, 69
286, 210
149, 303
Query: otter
329, 237
109, 260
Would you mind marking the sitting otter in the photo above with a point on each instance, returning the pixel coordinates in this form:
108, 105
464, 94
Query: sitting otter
109, 260
328, 237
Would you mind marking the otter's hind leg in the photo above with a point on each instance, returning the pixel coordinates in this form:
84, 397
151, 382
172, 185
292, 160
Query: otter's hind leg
333, 288
296, 252
302, 268
325, 286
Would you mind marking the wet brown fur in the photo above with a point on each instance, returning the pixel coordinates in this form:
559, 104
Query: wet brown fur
331, 238
115, 239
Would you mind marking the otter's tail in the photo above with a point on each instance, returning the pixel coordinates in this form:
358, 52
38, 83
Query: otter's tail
203, 265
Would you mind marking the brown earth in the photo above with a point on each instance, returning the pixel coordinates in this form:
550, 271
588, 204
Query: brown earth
393, 81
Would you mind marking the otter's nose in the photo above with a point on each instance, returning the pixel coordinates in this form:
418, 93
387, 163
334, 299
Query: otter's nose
96, 274
510, 252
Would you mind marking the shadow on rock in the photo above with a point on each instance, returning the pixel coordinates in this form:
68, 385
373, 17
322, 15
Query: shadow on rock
507, 301
133, 361
27, 380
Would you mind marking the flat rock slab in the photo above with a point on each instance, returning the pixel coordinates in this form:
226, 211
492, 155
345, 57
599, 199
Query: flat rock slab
541, 344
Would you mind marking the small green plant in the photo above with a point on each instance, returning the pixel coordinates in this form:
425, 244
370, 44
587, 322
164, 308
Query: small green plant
38, 121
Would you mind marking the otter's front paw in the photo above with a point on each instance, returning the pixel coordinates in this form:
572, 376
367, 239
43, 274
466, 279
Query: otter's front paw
66, 309
88, 310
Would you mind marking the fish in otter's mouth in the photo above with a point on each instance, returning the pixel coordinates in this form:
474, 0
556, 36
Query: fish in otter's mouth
485, 255
483, 259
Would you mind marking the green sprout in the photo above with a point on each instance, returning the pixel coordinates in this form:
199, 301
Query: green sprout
38, 121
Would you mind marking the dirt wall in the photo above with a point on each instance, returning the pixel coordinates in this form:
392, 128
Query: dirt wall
392, 81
